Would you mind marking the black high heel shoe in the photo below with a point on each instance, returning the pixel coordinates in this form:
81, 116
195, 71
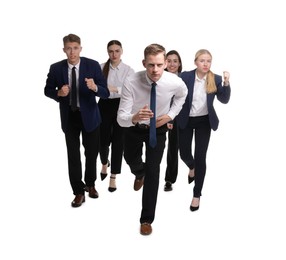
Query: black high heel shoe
191, 179
112, 189
192, 208
104, 175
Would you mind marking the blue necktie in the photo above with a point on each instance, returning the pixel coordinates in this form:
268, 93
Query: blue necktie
152, 134
73, 91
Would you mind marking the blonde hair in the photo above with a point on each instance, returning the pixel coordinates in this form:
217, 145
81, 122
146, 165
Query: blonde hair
210, 82
154, 49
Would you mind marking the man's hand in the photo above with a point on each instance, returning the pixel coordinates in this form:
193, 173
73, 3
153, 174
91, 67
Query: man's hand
64, 91
90, 84
226, 78
143, 114
162, 120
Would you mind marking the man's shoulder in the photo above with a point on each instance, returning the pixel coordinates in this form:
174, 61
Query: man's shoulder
136, 78
171, 77
60, 63
88, 60
139, 75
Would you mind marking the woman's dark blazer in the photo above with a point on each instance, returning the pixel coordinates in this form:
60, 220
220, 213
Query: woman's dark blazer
222, 94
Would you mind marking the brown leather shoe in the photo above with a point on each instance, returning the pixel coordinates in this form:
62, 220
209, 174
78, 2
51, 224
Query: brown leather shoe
78, 200
145, 229
138, 183
92, 192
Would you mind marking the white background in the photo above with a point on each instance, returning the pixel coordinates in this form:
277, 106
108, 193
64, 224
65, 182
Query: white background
242, 213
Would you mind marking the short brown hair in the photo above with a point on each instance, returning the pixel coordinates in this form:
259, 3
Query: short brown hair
154, 49
71, 38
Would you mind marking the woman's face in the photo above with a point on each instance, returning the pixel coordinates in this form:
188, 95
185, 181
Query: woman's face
114, 53
203, 63
173, 63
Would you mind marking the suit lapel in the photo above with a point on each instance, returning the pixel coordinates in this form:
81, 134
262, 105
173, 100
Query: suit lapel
65, 72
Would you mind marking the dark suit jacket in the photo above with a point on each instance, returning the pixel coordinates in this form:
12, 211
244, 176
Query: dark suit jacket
223, 95
58, 76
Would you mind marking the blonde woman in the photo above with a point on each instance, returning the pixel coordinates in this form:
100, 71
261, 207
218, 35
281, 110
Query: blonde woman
198, 117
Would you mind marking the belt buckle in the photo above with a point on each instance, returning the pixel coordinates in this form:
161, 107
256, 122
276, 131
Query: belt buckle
142, 126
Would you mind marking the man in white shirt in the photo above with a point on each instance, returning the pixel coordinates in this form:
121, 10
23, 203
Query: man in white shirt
135, 114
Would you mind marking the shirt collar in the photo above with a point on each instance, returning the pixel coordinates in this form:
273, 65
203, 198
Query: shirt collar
71, 66
204, 78
117, 67
158, 81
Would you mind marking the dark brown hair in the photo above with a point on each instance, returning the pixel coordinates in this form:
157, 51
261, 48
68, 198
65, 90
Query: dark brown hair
173, 52
71, 38
105, 68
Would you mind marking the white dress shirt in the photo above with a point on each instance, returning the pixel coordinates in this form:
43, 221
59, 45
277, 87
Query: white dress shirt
199, 102
136, 94
116, 77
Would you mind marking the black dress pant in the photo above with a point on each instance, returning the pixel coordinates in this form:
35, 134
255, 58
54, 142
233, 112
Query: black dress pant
200, 128
111, 134
135, 137
90, 142
172, 154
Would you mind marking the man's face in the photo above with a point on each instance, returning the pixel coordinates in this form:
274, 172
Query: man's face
155, 65
72, 50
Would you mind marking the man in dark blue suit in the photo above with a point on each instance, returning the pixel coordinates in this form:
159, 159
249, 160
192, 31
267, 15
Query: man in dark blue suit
74, 83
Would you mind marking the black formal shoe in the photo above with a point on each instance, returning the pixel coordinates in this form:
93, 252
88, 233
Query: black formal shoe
194, 208
112, 189
191, 179
145, 229
102, 174
92, 192
78, 200
168, 186
138, 183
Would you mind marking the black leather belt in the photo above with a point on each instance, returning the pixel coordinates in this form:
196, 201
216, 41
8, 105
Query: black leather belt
142, 126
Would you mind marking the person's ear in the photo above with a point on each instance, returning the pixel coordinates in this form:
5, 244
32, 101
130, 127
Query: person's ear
165, 66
